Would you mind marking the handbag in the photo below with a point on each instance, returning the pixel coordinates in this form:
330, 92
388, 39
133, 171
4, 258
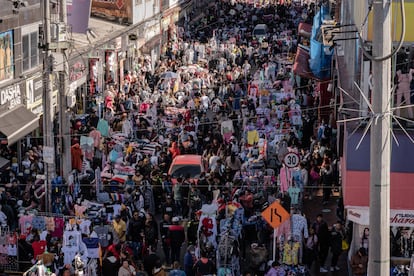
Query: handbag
345, 245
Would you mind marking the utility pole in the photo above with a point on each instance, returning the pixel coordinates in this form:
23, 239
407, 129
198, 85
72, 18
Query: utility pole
379, 217
48, 113
64, 121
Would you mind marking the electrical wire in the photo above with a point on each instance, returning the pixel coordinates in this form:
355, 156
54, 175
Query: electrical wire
399, 45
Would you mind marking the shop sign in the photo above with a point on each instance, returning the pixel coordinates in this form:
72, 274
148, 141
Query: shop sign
38, 110
402, 218
77, 71
34, 91
11, 95
113, 10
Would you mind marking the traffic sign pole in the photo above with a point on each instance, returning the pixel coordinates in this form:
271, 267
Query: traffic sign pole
274, 244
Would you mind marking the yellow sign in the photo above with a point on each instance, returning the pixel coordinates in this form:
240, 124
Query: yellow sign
275, 214
396, 22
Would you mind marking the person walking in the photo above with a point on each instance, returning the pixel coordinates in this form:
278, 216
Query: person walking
337, 234
322, 232
310, 249
359, 262
135, 233
165, 238
177, 238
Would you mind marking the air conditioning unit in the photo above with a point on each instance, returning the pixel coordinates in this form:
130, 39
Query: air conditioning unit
71, 101
58, 32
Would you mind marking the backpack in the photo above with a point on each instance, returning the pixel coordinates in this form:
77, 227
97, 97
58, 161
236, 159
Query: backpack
327, 131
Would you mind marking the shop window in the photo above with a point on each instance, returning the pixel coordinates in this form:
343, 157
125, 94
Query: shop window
30, 51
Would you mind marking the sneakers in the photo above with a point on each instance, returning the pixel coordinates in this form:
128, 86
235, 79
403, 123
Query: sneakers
323, 270
336, 268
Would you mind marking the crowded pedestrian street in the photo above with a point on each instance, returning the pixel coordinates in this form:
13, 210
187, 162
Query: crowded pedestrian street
217, 157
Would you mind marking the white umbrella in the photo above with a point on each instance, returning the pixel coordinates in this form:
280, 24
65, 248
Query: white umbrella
169, 75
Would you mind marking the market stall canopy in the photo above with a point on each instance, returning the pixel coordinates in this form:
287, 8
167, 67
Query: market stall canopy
301, 65
17, 123
4, 163
305, 30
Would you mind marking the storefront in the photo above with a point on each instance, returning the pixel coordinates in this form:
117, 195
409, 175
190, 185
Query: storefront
356, 184
152, 45
16, 120
77, 94
401, 233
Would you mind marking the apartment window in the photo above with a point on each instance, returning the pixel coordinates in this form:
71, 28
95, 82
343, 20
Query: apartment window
30, 50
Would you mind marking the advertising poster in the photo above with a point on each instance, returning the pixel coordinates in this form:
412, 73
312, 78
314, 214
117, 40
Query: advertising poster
118, 11
93, 75
6, 56
78, 15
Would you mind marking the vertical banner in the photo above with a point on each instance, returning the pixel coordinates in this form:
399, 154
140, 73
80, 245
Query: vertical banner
6, 56
29, 92
93, 76
110, 66
78, 15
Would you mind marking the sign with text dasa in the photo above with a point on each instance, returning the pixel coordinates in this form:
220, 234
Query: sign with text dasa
275, 214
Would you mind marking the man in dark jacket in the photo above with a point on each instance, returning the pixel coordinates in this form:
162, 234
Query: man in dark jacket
322, 231
337, 235
135, 232
165, 237
177, 238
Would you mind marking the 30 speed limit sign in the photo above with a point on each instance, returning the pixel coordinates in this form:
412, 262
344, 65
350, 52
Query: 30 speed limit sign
291, 160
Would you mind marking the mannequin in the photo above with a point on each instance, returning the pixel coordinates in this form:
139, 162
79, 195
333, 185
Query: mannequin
403, 90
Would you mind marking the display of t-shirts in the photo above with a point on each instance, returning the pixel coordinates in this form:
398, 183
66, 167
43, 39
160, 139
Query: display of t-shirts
294, 194
11, 246
285, 178
39, 248
39, 223
284, 230
25, 223
117, 209
69, 254
291, 253
299, 227
71, 238
103, 127
59, 227
84, 227
297, 176
43, 235
12, 250
92, 245
227, 129
102, 232
3, 248
252, 137
208, 223
80, 210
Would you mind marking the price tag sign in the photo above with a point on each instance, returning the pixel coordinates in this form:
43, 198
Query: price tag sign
291, 160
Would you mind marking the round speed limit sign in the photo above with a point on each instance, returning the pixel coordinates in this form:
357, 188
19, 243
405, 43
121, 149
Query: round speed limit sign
291, 159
